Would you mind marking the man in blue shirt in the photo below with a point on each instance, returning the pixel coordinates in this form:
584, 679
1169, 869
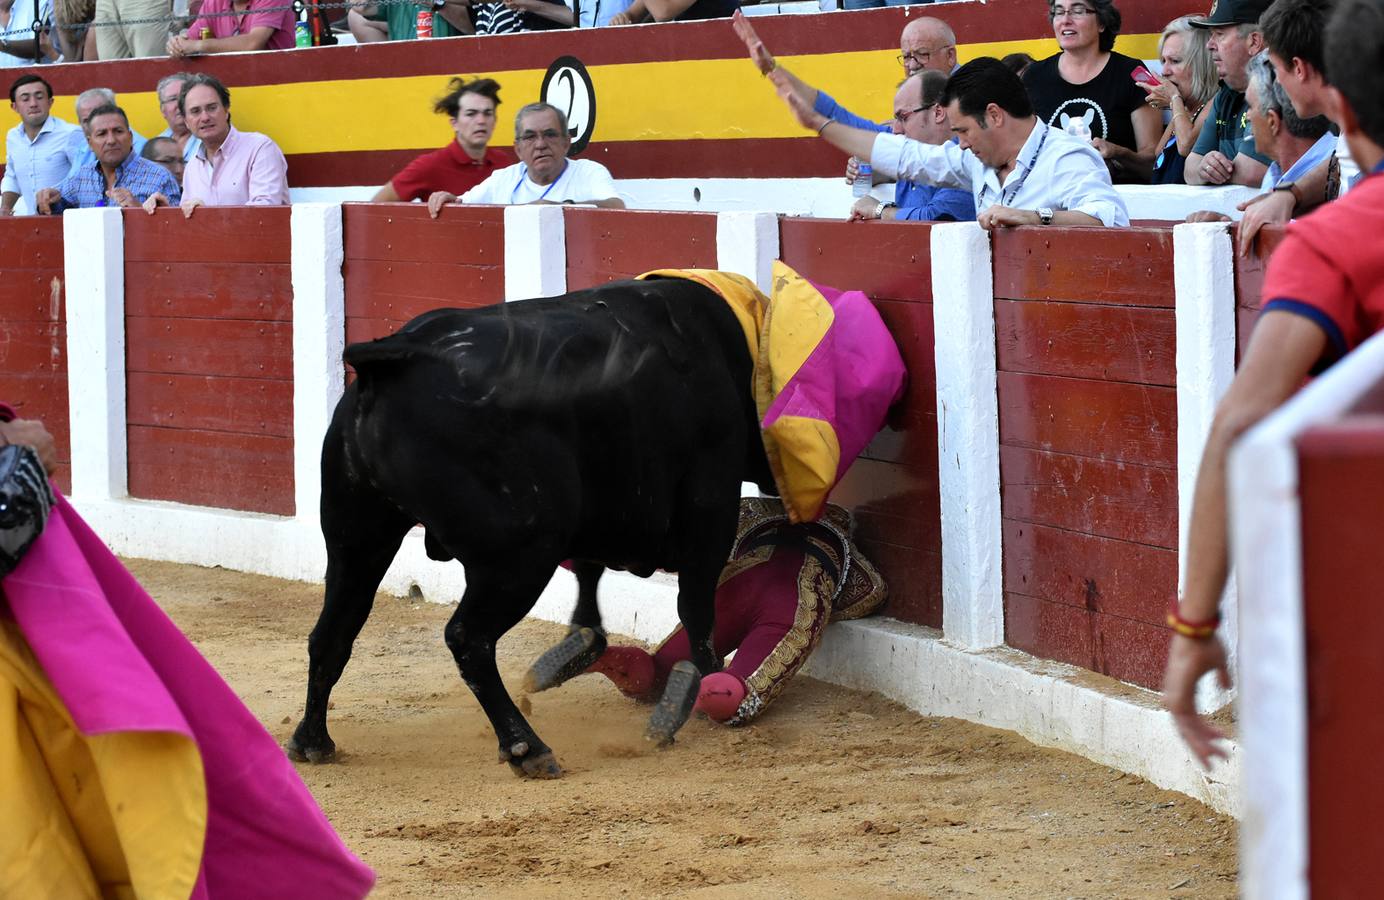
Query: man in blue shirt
36, 150
119, 177
77, 147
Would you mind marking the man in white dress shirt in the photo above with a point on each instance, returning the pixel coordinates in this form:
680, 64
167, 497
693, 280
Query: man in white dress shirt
1020, 171
36, 150
543, 174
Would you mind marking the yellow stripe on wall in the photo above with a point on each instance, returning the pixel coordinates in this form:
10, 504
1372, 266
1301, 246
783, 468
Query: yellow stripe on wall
664, 101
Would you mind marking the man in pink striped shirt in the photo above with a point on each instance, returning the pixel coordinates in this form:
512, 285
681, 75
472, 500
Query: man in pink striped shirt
233, 168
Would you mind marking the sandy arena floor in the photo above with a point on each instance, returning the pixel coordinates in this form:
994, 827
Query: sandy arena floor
833, 794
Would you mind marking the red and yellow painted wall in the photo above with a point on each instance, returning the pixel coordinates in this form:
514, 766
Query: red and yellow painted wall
672, 101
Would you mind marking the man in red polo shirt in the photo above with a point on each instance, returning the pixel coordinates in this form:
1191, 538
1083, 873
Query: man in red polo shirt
1323, 295
463, 163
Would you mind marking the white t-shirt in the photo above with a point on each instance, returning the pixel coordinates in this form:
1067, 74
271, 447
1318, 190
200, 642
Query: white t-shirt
581, 181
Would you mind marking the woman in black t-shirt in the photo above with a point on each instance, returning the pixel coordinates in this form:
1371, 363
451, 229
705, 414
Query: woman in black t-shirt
1088, 91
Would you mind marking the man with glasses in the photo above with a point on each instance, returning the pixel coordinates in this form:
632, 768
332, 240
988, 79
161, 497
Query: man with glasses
119, 177
919, 116
1019, 170
170, 88
543, 174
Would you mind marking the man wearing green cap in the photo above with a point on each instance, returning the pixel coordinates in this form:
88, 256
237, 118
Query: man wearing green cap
1225, 152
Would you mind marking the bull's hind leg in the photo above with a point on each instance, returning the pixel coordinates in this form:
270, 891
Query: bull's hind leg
496, 599
585, 641
363, 533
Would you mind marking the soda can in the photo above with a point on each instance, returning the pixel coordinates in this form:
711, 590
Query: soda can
424, 27
206, 34
302, 37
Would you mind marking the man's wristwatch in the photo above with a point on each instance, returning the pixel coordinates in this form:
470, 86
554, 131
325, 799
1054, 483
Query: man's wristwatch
883, 205
1290, 187
1045, 215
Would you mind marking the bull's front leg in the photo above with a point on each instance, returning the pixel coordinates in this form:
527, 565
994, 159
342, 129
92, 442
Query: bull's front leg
585, 641
491, 606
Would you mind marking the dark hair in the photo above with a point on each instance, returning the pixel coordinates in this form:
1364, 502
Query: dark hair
1354, 49
1293, 29
933, 85
151, 146
1017, 62
450, 102
1107, 14
203, 79
105, 109
28, 79
984, 81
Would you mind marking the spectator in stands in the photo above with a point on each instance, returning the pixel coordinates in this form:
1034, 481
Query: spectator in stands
927, 43
1295, 145
599, 13
233, 168
370, 21
120, 177
164, 151
1225, 151
919, 116
17, 19
117, 40
236, 26
1019, 170
1089, 91
543, 174
1187, 86
514, 16
169, 90
466, 161
674, 10
36, 150
78, 148
1018, 63
74, 40
1292, 32
1323, 295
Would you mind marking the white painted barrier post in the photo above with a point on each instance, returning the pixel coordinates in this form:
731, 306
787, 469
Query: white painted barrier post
1204, 282
94, 266
747, 243
968, 440
535, 252
319, 337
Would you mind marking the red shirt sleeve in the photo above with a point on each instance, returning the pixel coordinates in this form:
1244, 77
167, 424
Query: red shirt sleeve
416, 179
1301, 280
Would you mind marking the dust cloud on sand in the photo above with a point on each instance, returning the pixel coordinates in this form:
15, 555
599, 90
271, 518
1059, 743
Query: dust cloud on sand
833, 794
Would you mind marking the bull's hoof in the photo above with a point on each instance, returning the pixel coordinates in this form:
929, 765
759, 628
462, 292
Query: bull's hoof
567, 659
530, 765
675, 706
298, 752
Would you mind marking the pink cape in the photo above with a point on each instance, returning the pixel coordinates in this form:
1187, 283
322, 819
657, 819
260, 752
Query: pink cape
120, 664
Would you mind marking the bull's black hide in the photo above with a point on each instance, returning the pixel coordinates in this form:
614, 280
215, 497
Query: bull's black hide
611, 426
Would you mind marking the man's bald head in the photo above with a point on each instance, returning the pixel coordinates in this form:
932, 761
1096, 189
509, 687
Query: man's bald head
928, 43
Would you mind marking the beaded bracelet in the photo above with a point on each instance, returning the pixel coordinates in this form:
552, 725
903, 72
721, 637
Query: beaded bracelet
1195, 630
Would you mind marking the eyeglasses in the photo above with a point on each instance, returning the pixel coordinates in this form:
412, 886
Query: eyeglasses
902, 116
551, 135
920, 58
1076, 12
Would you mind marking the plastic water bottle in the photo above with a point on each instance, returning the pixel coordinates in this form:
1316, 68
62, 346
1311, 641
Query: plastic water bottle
864, 179
301, 36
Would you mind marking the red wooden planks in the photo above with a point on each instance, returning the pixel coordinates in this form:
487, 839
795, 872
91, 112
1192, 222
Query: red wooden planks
399, 290
1121, 648
609, 245
210, 347
471, 235
1131, 423
1081, 340
1091, 496
209, 290
1249, 282
1342, 491
212, 468
245, 234
1129, 266
211, 403
888, 261
1134, 581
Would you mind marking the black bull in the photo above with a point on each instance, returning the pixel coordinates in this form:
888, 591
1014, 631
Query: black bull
612, 427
